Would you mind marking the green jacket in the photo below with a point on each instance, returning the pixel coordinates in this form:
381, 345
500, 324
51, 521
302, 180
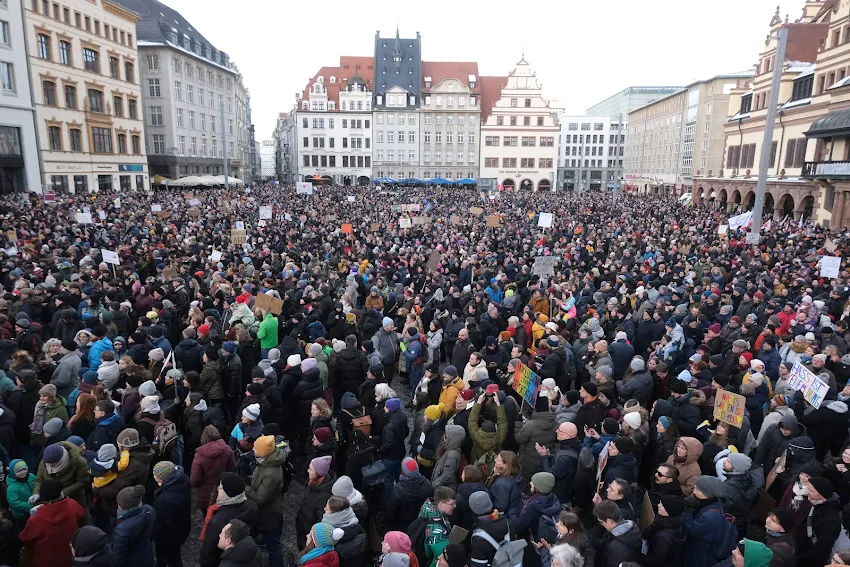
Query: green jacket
268, 331
74, 477
322, 365
436, 531
265, 490
57, 408
483, 441
17, 494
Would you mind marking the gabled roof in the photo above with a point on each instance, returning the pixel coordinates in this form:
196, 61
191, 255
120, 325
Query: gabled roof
491, 92
348, 67
440, 70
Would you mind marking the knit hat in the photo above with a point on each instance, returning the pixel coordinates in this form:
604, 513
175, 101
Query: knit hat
309, 364
606, 371
252, 412
48, 390
679, 387
467, 394
52, 426
590, 388
398, 542
321, 465
674, 505
315, 349
147, 388
789, 422
128, 437
343, 487
633, 419
623, 444
130, 497
51, 490
784, 517
232, 484
163, 470
715, 328
664, 421
542, 403
393, 404
710, 486
150, 405
757, 379
156, 354
204, 329
741, 343
455, 555
256, 389
53, 454
433, 413
450, 371
823, 486
740, 462
18, 466
409, 467
325, 535
480, 503
293, 360
264, 446
544, 482
70, 346
637, 364
229, 347
106, 455
386, 321
322, 434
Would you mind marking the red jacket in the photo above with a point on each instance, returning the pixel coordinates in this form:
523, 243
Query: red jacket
330, 559
47, 535
210, 461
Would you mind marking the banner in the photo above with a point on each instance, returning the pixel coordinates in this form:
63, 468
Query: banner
405, 223
237, 236
830, 266
740, 221
803, 380
266, 213
493, 221
729, 408
156, 208
526, 384
84, 218
350, 198
215, 257
304, 187
416, 207
544, 220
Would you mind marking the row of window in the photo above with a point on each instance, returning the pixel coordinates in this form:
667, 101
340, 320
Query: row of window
193, 147
155, 91
90, 58
598, 126
101, 141
743, 157
527, 141
450, 119
81, 22
450, 137
449, 157
190, 71
391, 118
589, 163
320, 123
391, 155
59, 183
426, 174
590, 151
451, 102
524, 162
330, 161
594, 139
526, 121
156, 120
94, 101
353, 143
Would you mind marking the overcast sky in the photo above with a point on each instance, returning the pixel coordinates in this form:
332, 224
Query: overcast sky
583, 51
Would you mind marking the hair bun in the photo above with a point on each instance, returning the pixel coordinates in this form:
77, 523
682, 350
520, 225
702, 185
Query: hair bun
338, 534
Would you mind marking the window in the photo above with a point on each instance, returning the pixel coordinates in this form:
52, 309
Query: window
122, 143
90, 60
54, 137
177, 91
131, 104
306, 161
158, 143
179, 117
203, 122
439, 138
510, 141
526, 162
65, 52
201, 96
508, 162
746, 104
7, 76
49, 89
472, 137
803, 88
192, 120
153, 63
544, 162
118, 106
491, 162
229, 104
137, 145
795, 152
114, 67
190, 95
305, 142
193, 144
411, 156
70, 97
76, 137
156, 116
43, 46
513, 120
529, 141
513, 103
547, 141
390, 136
526, 120
491, 140
95, 101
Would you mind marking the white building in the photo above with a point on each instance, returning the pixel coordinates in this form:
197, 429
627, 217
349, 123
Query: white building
333, 121
590, 153
519, 131
267, 159
19, 167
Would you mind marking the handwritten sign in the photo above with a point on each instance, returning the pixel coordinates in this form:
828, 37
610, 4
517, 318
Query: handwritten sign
375, 227
11, 251
830, 246
117, 203
266, 213
215, 256
412, 207
347, 229
11, 236
544, 220
433, 261
476, 210
269, 303
729, 408
544, 265
110, 257
830, 266
101, 215
194, 202
456, 220
493, 221
83, 218
405, 222
526, 384
803, 380
239, 225
237, 236
304, 187
156, 208
420, 221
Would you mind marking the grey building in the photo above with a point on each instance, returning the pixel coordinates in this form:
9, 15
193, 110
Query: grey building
397, 95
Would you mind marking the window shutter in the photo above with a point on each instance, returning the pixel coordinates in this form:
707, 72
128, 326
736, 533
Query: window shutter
789, 153
773, 146
800, 156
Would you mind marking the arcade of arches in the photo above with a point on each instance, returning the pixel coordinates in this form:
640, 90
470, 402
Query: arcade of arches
526, 184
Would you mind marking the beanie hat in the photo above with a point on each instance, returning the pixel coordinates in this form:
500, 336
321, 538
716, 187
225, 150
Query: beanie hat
53, 426
50, 490
544, 482
409, 466
18, 465
605, 370
398, 542
130, 497
740, 462
784, 517
450, 371
467, 394
204, 329
308, 364
480, 503
542, 404
147, 388
156, 354
321, 465
150, 405
679, 387
293, 360
715, 328
623, 444
322, 434
106, 455
252, 412
155, 332
163, 470
393, 404
664, 421
721, 379
757, 379
343, 487
315, 349
53, 454
455, 555
433, 413
710, 486
256, 389
590, 388
232, 484
633, 419
822, 485
128, 437
610, 426
325, 535
386, 321
48, 390
674, 505
264, 446
70, 346
229, 347
637, 364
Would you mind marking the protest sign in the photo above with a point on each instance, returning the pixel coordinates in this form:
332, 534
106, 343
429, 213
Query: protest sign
11, 251
49, 197
349, 198
729, 408
740, 221
347, 229
194, 212
304, 187
268, 302
215, 256
169, 273
647, 515
110, 257
87, 210
164, 214
476, 210
544, 265
414, 207
433, 261
83, 218
526, 384
101, 215
456, 220
803, 380
420, 221
830, 266
239, 225
493, 221
723, 229
287, 216
194, 202
265, 213
405, 222
156, 208
544, 220
830, 246
375, 227
11, 236
237, 236
117, 203
600, 466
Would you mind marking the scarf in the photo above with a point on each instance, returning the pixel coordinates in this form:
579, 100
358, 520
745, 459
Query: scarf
314, 553
341, 519
800, 494
122, 513
37, 426
61, 465
775, 534
210, 511
230, 500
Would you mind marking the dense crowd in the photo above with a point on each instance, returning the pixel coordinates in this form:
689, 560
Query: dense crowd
194, 365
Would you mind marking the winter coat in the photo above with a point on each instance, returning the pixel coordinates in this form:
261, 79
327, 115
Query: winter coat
243, 554
665, 540
133, 536
784, 550
137, 472
562, 463
539, 429
171, 502
351, 368
189, 355
328, 559
74, 477
689, 470
106, 431
231, 375
483, 441
638, 387
481, 552
739, 495
108, 374
620, 545
394, 434
621, 353
773, 444
266, 488
307, 390
65, 375
704, 528
386, 343
527, 519
827, 426
506, 493
96, 349
622, 466
405, 500
446, 469
449, 394
591, 415
267, 333
245, 511
17, 493
211, 386
47, 535
313, 507
824, 521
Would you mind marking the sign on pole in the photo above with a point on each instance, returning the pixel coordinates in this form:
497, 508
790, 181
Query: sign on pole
304, 187
830, 266
803, 380
544, 220
722, 229
493, 221
266, 213
405, 222
729, 408
215, 256
83, 218
526, 384
111, 257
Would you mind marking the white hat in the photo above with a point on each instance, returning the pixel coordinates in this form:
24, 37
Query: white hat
549, 383
293, 360
757, 378
552, 326
633, 419
810, 336
620, 336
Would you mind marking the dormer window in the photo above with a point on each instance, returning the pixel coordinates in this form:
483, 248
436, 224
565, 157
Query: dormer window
397, 58
305, 105
321, 79
333, 79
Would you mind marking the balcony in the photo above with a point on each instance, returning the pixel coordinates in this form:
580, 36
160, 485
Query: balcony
826, 170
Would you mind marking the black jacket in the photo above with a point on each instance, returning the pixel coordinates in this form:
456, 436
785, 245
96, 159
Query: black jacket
189, 355
562, 463
620, 545
246, 511
106, 431
243, 554
351, 368
393, 436
664, 539
825, 523
307, 390
172, 502
405, 500
313, 507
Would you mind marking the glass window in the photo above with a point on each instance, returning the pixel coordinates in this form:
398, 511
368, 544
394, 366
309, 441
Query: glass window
122, 144
101, 141
131, 103
44, 46
54, 137
104, 183
95, 101
90, 60
65, 52
4, 33
137, 146
7, 76
114, 67
159, 143
49, 89
118, 106
153, 88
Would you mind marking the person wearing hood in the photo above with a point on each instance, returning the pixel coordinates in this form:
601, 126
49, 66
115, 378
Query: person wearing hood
63, 462
488, 437
46, 539
800, 458
826, 425
320, 481
19, 487
447, 467
539, 430
778, 408
526, 521
265, 490
90, 547
751, 553
351, 367
705, 524
774, 440
822, 525
685, 458
386, 342
66, 374
108, 423
665, 537
172, 504
189, 353
353, 546
621, 542
101, 344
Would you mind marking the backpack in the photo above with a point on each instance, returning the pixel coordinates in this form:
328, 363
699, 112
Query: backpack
729, 539
508, 553
361, 423
546, 528
486, 462
423, 352
416, 533
164, 436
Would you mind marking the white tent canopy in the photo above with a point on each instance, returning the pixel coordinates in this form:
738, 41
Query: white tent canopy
205, 180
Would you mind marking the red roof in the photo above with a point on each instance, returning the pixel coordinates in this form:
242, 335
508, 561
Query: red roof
491, 92
440, 70
348, 66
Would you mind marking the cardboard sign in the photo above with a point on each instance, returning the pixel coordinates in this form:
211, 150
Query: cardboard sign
544, 265
11, 236
117, 203
456, 220
350, 198
526, 384
194, 212
803, 380
493, 221
83, 218
830, 266
647, 515
405, 223
830, 246
164, 214
237, 236
544, 220
375, 227
215, 257
421, 221
347, 229
433, 261
729, 408
269, 303
723, 229
111, 257
476, 210
412, 207
304, 187
265, 213
156, 208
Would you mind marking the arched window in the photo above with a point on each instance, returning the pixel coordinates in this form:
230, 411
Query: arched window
333, 79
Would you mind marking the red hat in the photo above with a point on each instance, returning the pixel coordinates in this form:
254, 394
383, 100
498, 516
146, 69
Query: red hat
715, 328
323, 434
200, 274
492, 389
735, 319
467, 395
759, 295
204, 329
242, 298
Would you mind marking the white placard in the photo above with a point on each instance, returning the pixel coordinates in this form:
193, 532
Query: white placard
304, 187
194, 202
723, 229
239, 225
350, 198
740, 220
110, 257
405, 223
12, 250
830, 266
215, 256
544, 265
265, 213
803, 380
101, 215
156, 208
287, 216
545, 220
87, 210
83, 218
117, 203
261, 223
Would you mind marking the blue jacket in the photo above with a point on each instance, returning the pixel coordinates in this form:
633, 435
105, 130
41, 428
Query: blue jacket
506, 494
100, 346
704, 529
105, 432
537, 506
495, 295
596, 447
162, 343
412, 352
133, 537
771, 360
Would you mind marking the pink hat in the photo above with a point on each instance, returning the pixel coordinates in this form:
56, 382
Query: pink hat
398, 542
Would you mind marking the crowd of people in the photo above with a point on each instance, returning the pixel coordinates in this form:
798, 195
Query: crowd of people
197, 366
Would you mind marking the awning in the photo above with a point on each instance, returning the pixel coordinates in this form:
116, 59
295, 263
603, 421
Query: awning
159, 180
835, 123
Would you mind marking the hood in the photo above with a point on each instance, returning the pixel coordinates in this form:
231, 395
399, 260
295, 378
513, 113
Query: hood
56, 513
837, 406
628, 533
546, 504
456, 382
694, 448
350, 402
88, 542
756, 554
662, 407
187, 343
429, 512
178, 481
348, 354
276, 459
214, 450
455, 436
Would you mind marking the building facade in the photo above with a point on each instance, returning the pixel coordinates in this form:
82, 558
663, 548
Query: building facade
450, 118
397, 95
83, 63
519, 132
286, 149
590, 153
267, 156
19, 160
194, 100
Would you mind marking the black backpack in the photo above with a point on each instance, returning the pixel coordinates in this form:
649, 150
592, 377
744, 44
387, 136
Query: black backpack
416, 532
